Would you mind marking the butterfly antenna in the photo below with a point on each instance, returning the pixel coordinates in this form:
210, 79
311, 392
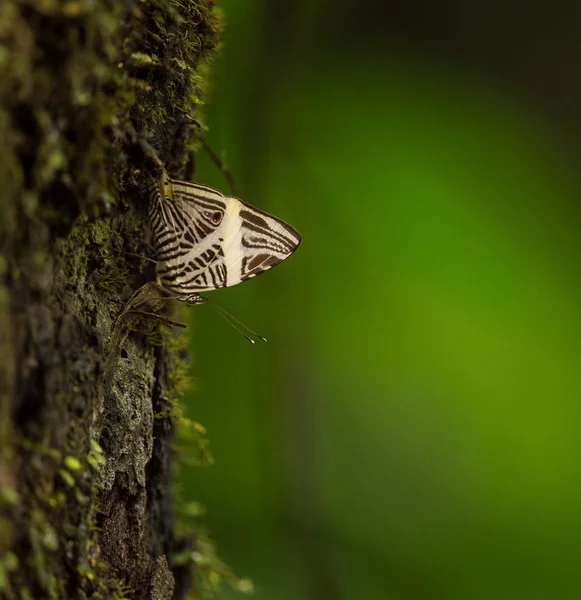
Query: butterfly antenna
151, 260
233, 321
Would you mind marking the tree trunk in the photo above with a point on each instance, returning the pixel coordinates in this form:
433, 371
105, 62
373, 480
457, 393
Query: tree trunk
89, 92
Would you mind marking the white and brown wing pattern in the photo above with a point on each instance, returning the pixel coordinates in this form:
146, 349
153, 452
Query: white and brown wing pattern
265, 240
205, 240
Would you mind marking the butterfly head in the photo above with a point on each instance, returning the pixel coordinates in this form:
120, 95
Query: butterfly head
194, 299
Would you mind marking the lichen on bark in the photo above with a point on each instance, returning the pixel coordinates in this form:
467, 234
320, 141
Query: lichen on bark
88, 90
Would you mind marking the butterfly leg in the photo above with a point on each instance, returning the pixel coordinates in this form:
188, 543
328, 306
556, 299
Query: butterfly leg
148, 300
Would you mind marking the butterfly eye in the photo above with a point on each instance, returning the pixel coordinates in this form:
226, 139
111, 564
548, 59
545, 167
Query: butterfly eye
216, 217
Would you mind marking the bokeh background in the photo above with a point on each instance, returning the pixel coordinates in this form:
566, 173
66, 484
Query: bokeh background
412, 428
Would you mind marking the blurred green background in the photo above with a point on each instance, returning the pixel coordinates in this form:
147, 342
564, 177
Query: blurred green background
412, 428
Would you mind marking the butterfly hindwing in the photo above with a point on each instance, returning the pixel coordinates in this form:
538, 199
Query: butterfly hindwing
205, 240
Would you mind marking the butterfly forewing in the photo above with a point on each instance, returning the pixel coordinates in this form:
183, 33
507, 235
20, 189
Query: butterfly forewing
205, 240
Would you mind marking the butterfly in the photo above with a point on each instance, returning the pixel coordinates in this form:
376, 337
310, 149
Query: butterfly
205, 240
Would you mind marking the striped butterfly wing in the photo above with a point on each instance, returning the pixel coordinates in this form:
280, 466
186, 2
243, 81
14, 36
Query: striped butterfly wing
205, 240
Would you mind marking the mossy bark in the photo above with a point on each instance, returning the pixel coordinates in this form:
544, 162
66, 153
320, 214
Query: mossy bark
89, 92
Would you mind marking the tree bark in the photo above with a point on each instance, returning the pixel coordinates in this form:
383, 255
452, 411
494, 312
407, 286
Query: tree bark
89, 92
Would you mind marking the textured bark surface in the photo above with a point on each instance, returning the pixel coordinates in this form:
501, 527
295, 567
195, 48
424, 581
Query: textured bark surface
88, 91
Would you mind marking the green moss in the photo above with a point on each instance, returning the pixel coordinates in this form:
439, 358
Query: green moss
211, 572
8, 564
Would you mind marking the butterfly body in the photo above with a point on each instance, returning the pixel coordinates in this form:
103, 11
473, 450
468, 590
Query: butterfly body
205, 240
